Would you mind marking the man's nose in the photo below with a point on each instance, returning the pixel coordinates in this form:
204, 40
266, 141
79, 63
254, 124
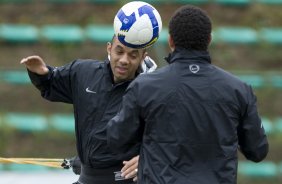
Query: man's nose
124, 59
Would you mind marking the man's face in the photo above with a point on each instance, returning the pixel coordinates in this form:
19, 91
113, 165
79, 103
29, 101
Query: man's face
124, 60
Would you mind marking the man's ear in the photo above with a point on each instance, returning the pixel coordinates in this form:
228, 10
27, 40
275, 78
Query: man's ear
210, 39
145, 54
109, 47
171, 43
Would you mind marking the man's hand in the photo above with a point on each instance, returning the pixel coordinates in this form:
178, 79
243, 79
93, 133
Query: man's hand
130, 168
148, 65
73, 163
35, 64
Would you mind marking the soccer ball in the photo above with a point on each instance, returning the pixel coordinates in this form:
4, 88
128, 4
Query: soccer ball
137, 25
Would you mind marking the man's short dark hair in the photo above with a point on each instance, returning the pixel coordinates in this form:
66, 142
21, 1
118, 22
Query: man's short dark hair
190, 28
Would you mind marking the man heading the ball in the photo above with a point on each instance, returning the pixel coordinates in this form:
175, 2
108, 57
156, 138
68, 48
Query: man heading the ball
95, 89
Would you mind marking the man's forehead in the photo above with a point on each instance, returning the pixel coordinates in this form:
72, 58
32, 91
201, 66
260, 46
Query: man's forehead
121, 46
127, 49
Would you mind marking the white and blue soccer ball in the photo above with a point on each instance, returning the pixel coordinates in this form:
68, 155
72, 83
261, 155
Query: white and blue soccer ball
137, 25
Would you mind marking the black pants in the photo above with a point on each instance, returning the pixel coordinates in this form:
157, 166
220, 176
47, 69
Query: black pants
101, 176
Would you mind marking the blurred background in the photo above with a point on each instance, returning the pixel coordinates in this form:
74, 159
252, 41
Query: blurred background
247, 41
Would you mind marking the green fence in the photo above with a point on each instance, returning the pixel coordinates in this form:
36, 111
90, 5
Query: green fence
99, 33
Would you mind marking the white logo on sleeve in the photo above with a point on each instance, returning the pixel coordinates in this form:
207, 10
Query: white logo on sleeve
89, 91
194, 68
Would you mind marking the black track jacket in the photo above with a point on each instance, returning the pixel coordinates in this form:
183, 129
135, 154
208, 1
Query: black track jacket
191, 118
88, 85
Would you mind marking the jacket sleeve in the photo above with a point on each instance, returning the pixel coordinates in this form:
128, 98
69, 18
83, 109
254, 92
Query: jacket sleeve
56, 85
252, 138
124, 131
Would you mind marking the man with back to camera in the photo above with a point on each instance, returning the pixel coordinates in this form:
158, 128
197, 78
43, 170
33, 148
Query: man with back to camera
95, 89
190, 116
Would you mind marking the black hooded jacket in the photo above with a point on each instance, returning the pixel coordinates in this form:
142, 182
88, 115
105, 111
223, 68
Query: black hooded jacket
191, 117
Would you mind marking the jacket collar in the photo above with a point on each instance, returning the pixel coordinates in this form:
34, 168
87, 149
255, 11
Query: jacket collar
185, 54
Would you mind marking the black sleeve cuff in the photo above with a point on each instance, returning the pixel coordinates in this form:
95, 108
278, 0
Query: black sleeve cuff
40, 81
